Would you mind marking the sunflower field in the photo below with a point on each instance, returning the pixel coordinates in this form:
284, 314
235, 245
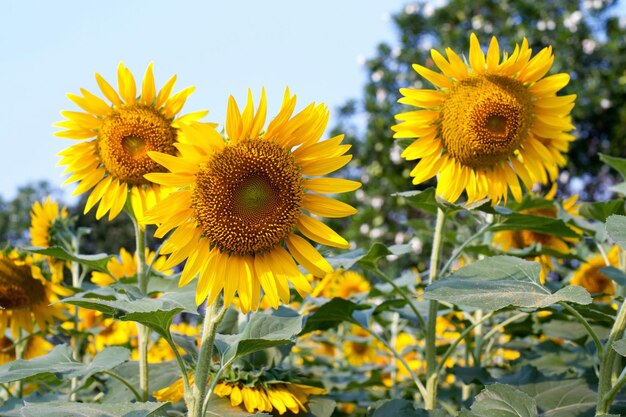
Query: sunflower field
462, 254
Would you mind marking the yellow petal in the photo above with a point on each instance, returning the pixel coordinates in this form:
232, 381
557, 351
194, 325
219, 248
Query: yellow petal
319, 232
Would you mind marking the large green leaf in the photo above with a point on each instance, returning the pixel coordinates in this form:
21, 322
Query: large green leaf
59, 363
162, 374
499, 282
263, 331
156, 313
333, 313
501, 400
562, 398
616, 229
318, 407
618, 164
400, 408
73, 409
532, 223
602, 209
98, 262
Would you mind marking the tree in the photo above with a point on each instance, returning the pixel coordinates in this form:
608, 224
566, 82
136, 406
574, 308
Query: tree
588, 41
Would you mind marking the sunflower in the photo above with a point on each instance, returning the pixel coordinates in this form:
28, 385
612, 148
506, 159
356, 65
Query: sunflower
358, 348
26, 295
35, 346
592, 279
125, 266
111, 157
341, 284
45, 219
240, 202
262, 396
487, 123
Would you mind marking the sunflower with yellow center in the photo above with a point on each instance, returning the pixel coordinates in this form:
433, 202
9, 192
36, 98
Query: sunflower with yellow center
261, 396
26, 295
487, 122
592, 279
341, 284
125, 266
240, 202
111, 157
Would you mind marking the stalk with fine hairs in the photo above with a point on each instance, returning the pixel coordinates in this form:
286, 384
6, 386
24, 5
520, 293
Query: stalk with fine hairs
212, 318
430, 399
143, 332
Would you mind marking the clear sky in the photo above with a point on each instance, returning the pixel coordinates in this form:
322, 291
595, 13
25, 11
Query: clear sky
50, 48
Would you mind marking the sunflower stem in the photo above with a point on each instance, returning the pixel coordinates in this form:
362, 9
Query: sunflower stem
212, 318
431, 329
143, 332
20, 348
76, 338
607, 360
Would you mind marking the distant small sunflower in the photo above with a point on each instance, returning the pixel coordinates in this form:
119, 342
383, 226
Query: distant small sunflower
35, 346
44, 219
26, 295
487, 123
241, 201
111, 158
125, 266
341, 284
588, 275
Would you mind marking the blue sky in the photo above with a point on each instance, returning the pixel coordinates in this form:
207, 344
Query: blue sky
51, 48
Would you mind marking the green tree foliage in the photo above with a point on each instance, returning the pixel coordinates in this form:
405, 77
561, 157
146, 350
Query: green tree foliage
589, 43
15, 214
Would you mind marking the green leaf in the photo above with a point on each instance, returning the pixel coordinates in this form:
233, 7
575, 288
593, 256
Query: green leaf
73, 409
378, 250
425, 200
162, 374
333, 313
261, 332
616, 229
499, 282
156, 313
601, 210
562, 398
98, 262
221, 407
532, 223
396, 408
618, 164
620, 347
318, 407
59, 364
501, 400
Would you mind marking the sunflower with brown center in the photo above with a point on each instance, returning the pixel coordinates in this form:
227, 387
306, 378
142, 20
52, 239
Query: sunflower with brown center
26, 295
487, 123
240, 202
114, 158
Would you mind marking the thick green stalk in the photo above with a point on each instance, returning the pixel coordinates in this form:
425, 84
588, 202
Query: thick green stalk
431, 329
214, 315
76, 338
606, 364
143, 332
